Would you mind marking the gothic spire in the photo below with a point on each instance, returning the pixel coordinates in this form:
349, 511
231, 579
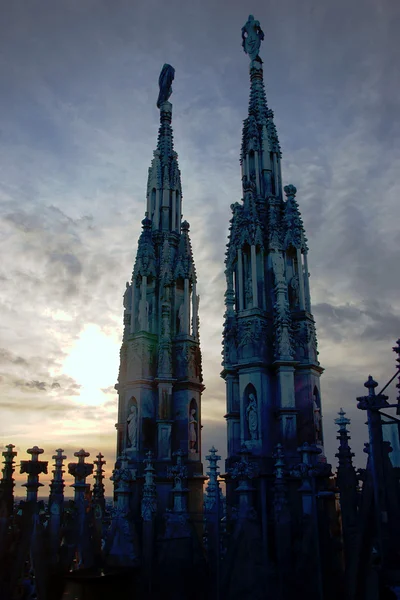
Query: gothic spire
164, 190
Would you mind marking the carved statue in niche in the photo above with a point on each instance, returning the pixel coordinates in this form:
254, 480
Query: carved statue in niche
249, 292
181, 318
128, 297
252, 417
132, 424
317, 422
192, 430
295, 291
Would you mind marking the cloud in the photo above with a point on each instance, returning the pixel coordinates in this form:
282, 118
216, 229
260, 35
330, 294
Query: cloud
78, 126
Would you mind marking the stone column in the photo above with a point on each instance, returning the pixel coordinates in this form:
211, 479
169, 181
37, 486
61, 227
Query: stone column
307, 298
143, 325
121, 548
194, 310
263, 291
257, 172
148, 511
173, 210
240, 278
187, 305
254, 275
213, 515
98, 487
56, 503
157, 210
301, 280
7, 481
133, 311
179, 210
275, 171
80, 471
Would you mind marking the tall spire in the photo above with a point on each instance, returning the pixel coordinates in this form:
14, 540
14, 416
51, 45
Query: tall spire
260, 152
270, 358
160, 378
164, 190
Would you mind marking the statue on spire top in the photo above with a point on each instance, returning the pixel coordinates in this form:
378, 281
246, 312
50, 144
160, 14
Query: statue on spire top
252, 36
165, 82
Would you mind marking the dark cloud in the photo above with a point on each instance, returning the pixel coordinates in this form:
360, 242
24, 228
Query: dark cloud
8, 357
78, 126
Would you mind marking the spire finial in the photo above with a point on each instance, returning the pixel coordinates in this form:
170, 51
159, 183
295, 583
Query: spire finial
165, 82
342, 421
252, 36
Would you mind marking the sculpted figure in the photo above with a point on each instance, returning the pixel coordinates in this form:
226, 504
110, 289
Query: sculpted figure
294, 284
252, 36
252, 417
192, 430
181, 317
248, 292
132, 426
165, 81
317, 422
128, 297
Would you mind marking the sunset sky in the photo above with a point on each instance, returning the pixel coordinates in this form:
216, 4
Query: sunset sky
78, 125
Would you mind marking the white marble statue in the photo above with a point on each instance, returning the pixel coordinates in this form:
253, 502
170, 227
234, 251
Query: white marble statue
132, 422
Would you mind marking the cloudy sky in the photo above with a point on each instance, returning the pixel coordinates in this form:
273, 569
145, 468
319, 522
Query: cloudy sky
78, 124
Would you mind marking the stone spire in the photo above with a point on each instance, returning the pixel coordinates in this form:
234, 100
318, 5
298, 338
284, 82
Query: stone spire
98, 487
270, 357
7, 482
33, 467
345, 455
57, 484
164, 190
160, 375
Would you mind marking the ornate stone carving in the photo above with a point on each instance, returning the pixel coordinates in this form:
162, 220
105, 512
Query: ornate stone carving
283, 343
